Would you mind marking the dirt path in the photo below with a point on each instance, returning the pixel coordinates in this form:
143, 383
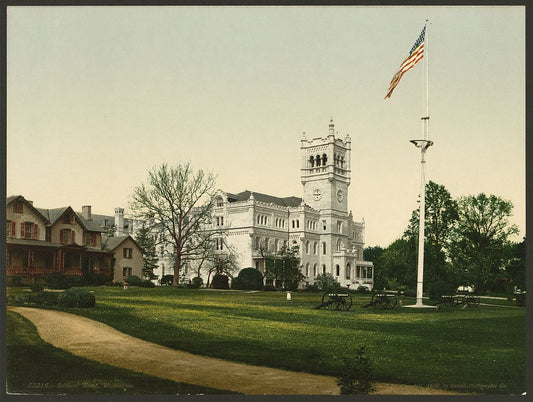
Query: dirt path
97, 341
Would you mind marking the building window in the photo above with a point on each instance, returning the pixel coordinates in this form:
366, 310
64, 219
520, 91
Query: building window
339, 226
127, 253
66, 236
324, 225
337, 270
315, 248
348, 271
257, 243
307, 247
219, 202
339, 245
323, 269
307, 270
276, 245
324, 248
11, 229
314, 269
18, 207
126, 272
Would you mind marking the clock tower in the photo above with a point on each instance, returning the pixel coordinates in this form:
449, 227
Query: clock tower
325, 172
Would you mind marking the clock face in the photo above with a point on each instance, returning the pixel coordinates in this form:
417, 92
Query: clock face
340, 195
317, 194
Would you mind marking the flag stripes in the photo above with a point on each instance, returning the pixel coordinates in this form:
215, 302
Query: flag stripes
415, 55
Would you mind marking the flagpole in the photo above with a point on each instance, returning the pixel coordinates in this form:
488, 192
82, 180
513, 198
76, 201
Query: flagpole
423, 145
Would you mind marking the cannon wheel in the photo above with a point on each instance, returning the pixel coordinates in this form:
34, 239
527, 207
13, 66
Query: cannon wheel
327, 302
471, 301
344, 303
378, 300
392, 301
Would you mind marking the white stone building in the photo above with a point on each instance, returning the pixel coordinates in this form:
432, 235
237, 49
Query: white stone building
329, 240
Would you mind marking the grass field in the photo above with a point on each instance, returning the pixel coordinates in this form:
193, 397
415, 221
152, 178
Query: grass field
474, 349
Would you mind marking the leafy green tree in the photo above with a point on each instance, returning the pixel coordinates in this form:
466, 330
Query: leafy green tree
516, 267
178, 201
147, 242
398, 262
284, 267
441, 214
480, 240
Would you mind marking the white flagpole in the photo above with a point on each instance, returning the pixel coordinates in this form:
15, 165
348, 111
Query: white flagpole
423, 145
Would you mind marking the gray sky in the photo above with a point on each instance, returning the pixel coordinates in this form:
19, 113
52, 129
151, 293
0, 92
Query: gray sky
99, 95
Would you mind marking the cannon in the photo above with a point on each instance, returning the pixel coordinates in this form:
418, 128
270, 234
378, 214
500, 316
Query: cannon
336, 301
458, 300
383, 301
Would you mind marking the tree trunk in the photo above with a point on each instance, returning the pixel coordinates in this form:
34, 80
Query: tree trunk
176, 279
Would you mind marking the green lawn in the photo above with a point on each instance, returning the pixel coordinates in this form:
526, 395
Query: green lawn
36, 367
474, 349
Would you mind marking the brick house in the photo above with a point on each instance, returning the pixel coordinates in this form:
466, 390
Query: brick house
42, 241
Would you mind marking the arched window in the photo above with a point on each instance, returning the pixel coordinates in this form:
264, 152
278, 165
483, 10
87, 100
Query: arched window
219, 202
315, 248
312, 161
307, 247
337, 270
314, 269
324, 159
307, 269
276, 245
323, 269
317, 159
348, 271
339, 245
324, 248
257, 243
267, 243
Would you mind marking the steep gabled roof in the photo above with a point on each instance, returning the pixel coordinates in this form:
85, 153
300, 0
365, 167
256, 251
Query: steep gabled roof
12, 198
283, 202
112, 243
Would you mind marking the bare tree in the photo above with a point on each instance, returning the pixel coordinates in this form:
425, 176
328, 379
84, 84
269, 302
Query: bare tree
178, 201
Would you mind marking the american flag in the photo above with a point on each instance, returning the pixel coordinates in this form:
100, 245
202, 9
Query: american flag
415, 55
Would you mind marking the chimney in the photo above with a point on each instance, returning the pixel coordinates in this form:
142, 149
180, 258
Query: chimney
119, 221
86, 212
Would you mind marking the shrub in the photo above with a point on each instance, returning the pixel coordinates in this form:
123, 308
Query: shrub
440, 288
146, 284
16, 281
37, 287
362, 289
327, 283
521, 299
311, 287
357, 375
248, 279
220, 282
76, 297
133, 280
269, 288
43, 299
167, 280
57, 280
409, 292
196, 282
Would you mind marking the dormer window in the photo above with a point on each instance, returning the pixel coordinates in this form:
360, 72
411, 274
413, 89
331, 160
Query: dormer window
219, 202
18, 207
